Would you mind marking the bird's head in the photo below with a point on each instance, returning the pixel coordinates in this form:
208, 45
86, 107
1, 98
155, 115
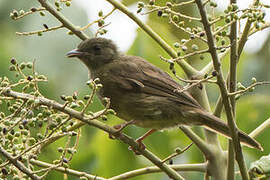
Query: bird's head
95, 52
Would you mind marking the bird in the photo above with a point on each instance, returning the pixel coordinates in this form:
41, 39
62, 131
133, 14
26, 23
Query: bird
143, 94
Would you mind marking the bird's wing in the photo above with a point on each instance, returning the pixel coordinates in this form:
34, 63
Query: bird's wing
140, 76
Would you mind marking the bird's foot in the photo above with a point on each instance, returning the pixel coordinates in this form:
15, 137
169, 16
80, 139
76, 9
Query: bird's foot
120, 127
140, 143
111, 136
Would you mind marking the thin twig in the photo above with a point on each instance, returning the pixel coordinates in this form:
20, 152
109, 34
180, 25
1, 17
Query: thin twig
259, 130
194, 84
248, 88
47, 5
39, 31
186, 31
153, 169
96, 21
29, 12
202, 145
177, 153
66, 170
191, 54
19, 164
170, 11
201, 167
184, 3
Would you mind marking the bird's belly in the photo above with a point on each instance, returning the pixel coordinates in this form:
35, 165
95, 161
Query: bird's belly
147, 111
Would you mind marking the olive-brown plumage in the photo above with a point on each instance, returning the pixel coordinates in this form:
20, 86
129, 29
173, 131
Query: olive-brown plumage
141, 92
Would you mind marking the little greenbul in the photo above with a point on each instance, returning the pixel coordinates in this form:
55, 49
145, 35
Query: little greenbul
143, 94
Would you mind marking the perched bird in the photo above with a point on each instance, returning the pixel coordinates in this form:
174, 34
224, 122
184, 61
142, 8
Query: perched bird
143, 94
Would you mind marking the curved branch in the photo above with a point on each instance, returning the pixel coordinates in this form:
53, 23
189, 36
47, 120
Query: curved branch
63, 20
67, 170
59, 135
153, 169
203, 146
200, 167
260, 129
39, 31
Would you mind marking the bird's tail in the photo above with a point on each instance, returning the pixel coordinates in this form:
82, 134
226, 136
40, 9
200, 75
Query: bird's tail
214, 123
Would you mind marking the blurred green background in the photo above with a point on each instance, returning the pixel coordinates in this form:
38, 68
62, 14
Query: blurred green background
97, 154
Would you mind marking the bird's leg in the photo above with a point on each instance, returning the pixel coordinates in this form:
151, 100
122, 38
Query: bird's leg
120, 127
140, 139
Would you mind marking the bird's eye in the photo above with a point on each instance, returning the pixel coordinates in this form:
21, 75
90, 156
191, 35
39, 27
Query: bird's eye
97, 47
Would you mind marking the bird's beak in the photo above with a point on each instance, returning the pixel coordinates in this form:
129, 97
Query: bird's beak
74, 53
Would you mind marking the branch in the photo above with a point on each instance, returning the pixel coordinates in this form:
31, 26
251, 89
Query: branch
232, 88
96, 21
66, 170
185, 88
19, 164
202, 167
265, 125
92, 122
248, 88
39, 31
186, 31
222, 87
264, 26
202, 145
66, 23
190, 54
177, 152
69, 129
212, 152
33, 10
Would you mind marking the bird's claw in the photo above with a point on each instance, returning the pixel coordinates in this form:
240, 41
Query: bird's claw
141, 147
119, 128
111, 136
